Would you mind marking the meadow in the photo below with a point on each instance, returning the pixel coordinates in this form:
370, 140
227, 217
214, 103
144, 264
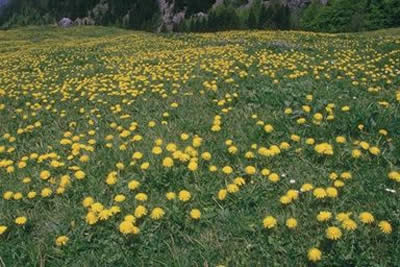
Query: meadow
242, 148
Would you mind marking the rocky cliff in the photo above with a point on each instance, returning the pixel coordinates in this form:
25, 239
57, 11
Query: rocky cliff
169, 16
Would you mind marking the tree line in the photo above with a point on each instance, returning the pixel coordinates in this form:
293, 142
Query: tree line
336, 16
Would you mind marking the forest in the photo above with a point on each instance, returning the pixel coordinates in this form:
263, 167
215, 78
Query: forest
335, 16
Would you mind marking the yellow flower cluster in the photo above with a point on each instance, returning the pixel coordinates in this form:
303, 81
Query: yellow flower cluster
140, 133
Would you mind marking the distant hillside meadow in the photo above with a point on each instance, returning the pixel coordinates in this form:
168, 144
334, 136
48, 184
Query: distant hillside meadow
236, 148
207, 15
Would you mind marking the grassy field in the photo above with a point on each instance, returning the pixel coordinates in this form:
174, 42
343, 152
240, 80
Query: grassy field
121, 148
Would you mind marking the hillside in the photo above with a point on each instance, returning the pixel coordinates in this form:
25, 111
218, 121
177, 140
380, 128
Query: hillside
236, 148
208, 15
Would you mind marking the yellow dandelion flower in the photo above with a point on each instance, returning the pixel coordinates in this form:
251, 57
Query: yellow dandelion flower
340, 139
331, 192
349, 224
366, 217
268, 128
170, 195
141, 197
168, 162
206, 156
61, 240
104, 214
3, 229
291, 223
356, 153
314, 254
227, 170
222, 194
157, 213
195, 214
21, 220
250, 170
133, 184
324, 216
140, 211
385, 227
119, 198
285, 200
184, 195
193, 166
343, 216
239, 181
319, 193
333, 233
126, 227
232, 188
306, 187
292, 194
79, 175
44, 175
374, 150
274, 177
269, 222
46, 192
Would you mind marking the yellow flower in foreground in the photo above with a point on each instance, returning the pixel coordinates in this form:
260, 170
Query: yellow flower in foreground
268, 128
333, 233
61, 240
170, 195
3, 228
126, 227
195, 214
314, 254
145, 165
184, 195
91, 218
130, 218
119, 198
343, 216
133, 184
206, 156
232, 188
269, 222
140, 211
385, 227
157, 213
366, 218
324, 148
21, 220
356, 153
44, 175
292, 194
291, 223
87, 202
273, 177
141, 197
331, 192
227, 170
222, 194
168, 162
349, 224
79, 175
319, 192
324, 216
250, 170
374, 150
306, 187
340, 139
192, 166
46, 192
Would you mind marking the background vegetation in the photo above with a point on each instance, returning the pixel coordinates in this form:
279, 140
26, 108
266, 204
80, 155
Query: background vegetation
336, 16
